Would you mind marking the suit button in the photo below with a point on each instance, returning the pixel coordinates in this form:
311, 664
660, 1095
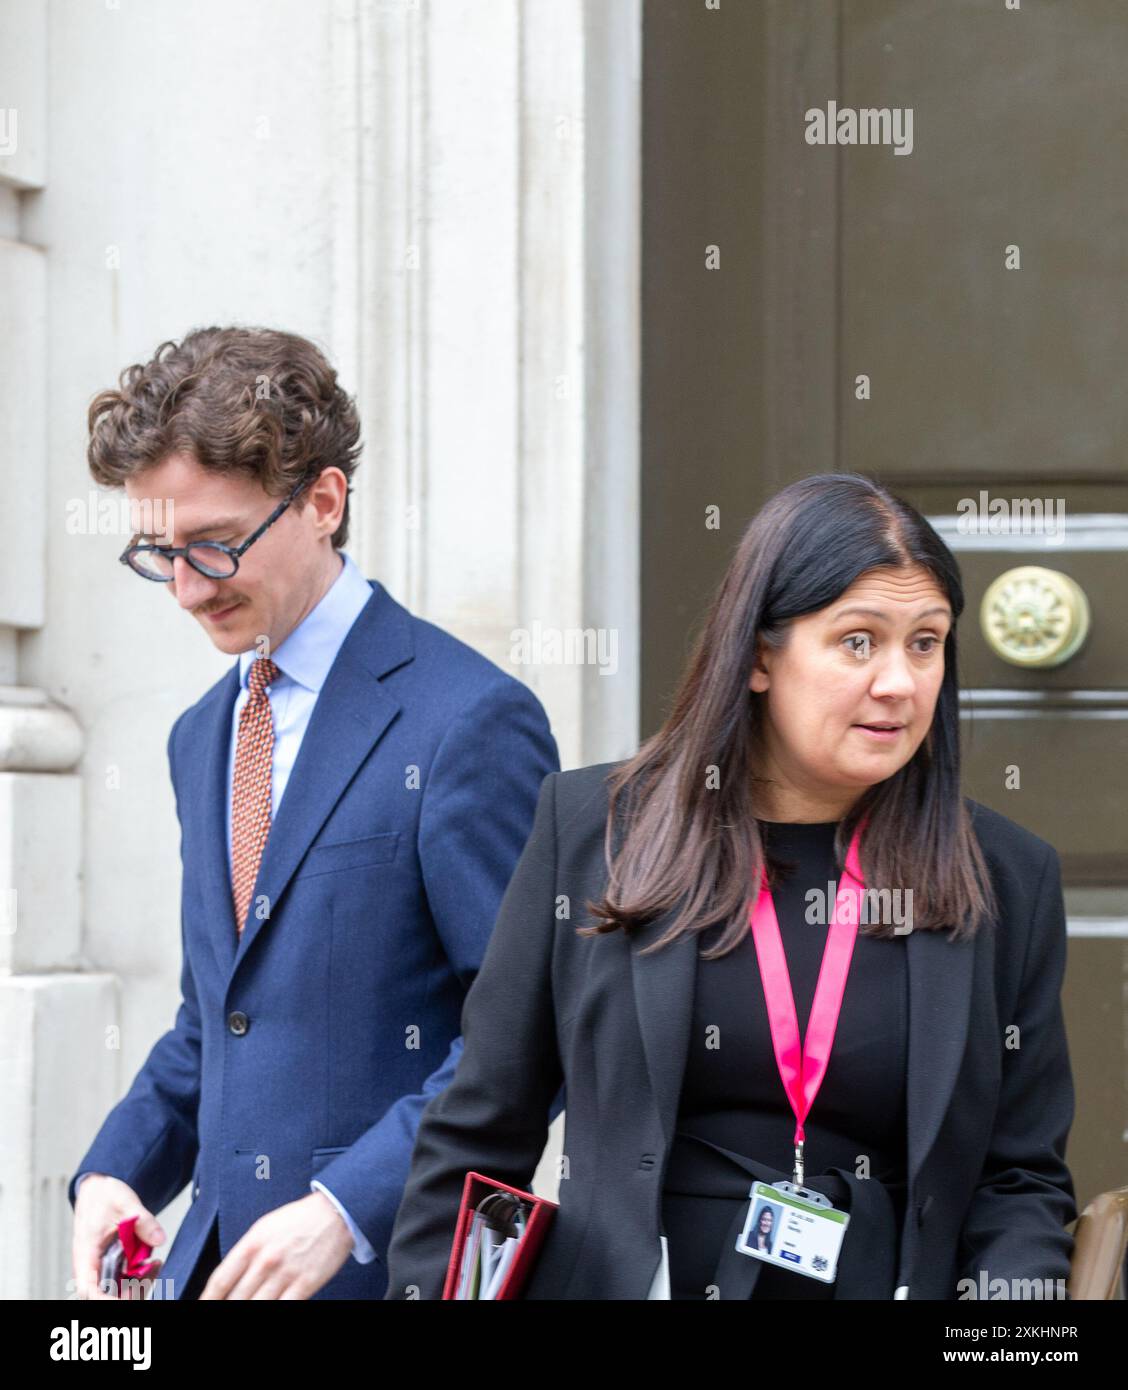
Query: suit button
238, 1023
195, 1192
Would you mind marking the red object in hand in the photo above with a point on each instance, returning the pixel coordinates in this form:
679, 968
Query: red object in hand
137, 1264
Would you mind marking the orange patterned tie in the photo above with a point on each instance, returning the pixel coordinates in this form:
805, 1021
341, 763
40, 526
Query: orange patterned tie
250, 791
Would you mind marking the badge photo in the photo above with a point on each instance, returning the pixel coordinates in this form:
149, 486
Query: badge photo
793, 1233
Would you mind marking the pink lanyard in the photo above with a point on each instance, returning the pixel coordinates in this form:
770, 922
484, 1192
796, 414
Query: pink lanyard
802, 1069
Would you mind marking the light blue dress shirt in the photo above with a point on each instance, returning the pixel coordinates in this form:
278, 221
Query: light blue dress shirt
303, 660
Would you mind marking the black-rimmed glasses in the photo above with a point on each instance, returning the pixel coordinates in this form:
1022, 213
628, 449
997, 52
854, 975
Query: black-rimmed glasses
210, 558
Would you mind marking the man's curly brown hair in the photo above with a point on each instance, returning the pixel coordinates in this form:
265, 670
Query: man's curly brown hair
239, 400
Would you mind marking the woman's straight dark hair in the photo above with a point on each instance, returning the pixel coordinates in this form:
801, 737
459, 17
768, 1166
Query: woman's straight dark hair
682, 808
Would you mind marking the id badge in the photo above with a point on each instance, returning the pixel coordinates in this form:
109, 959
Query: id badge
793, 1228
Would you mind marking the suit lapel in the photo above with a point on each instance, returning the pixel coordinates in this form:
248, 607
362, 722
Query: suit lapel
664, 985
214, 735
939, 986
939, 1007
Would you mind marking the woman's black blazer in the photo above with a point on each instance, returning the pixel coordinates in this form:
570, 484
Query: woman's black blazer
989, 1104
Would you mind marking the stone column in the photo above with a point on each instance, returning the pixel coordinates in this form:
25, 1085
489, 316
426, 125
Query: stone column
485, 304
48, 1003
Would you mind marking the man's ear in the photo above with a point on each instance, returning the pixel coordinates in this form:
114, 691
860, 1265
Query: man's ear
327, 495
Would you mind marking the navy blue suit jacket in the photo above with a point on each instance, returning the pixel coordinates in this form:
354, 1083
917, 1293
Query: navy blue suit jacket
310, 1045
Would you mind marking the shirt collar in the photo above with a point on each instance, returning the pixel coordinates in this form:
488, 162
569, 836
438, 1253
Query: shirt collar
310, 650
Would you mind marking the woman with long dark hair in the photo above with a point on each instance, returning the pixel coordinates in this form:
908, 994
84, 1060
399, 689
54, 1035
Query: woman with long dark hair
805, 960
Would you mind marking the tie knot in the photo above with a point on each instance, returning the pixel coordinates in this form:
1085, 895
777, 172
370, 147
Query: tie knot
263, 672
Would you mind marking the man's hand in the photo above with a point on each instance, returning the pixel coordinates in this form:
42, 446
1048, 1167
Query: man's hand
100, 1204
290, 1252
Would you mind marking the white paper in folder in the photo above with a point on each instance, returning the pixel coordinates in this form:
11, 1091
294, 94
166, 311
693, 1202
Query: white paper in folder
660, 1284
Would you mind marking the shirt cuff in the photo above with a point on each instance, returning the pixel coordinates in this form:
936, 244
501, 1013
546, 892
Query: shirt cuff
363, 1253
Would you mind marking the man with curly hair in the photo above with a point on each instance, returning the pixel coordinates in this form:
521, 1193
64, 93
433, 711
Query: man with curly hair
353, 796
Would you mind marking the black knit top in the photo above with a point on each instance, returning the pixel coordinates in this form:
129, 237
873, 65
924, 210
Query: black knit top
732, 1095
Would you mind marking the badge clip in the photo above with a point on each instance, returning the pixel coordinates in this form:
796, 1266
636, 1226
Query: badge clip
795, 1188
806, 1194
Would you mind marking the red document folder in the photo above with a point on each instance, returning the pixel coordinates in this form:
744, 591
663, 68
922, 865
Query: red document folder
474, 1189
